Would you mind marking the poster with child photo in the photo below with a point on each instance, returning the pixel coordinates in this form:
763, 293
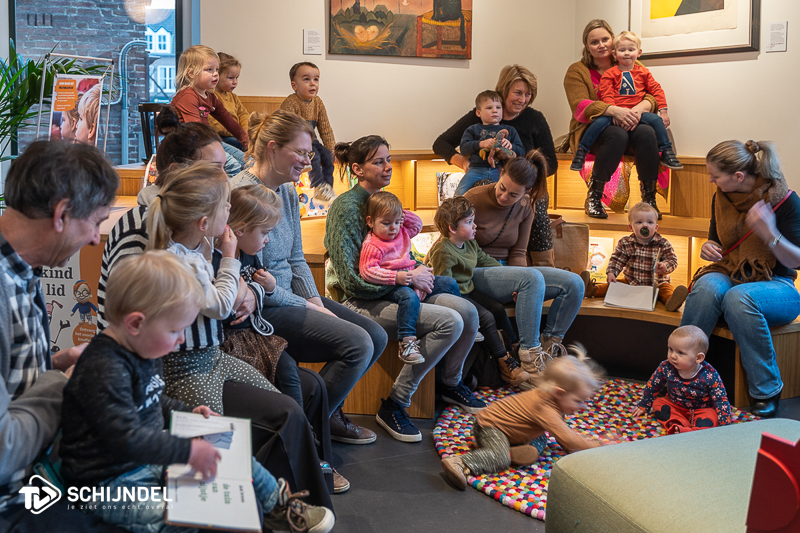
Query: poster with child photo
75, 112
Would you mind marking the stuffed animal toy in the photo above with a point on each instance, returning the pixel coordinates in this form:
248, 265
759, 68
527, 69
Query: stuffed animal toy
497, 153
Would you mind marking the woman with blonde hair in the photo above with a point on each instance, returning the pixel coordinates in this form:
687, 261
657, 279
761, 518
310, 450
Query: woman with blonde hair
625, 136
754, 246
317, 329
518, 88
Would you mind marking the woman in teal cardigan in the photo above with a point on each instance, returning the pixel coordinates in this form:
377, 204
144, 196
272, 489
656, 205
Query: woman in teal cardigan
446, 329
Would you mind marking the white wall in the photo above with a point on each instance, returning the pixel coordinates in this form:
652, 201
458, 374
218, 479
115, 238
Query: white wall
408, 100
729, 96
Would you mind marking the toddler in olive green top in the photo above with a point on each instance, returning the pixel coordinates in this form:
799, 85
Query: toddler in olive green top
457, 254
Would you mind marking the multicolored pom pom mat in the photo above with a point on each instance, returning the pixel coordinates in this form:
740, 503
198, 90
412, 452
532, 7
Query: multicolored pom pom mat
525, 489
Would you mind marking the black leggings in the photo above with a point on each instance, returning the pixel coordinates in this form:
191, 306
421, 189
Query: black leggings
283, 440
615, 142
492, 316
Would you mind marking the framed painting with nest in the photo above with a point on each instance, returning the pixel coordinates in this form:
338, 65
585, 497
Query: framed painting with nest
404, 28
680, 28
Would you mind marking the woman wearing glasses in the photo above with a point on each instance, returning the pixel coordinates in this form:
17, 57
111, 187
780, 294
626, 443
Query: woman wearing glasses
318, 330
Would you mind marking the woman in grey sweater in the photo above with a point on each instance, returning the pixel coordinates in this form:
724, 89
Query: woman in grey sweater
318, 330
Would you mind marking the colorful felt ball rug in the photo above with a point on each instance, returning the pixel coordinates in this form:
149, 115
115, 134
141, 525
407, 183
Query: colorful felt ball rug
525, 489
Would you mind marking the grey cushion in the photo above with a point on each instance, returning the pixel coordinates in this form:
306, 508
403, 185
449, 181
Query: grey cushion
693, 482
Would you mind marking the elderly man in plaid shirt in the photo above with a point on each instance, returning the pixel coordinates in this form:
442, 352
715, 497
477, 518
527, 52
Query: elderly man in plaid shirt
57, 194
644, 258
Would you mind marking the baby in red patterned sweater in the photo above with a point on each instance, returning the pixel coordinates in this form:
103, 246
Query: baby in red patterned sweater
696, 398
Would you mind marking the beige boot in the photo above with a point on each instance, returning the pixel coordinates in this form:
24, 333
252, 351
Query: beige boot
533, 362
552, 347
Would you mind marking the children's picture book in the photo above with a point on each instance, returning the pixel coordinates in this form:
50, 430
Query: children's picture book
227, 501
600, 250
641, 297
309, 205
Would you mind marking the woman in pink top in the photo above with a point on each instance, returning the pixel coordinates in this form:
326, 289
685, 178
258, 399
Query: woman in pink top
386, 260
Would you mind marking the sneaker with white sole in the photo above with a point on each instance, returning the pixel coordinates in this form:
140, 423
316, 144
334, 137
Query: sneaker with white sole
461, 396
340, 483
394, 419
295, 516
408, 351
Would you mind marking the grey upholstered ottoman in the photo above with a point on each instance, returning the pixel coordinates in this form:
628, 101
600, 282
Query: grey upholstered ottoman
695, 482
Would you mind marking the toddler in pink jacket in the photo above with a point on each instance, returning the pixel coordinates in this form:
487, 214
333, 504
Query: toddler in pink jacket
386, 260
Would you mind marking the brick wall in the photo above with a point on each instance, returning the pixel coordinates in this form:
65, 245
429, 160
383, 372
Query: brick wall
98, 29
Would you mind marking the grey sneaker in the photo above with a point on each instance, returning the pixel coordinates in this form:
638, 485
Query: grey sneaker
408, 351
294, 516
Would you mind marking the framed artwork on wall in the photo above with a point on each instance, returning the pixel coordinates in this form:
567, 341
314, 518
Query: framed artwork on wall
401, 28
678, 28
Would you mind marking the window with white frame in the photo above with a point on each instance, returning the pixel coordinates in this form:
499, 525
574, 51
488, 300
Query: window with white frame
163, 46
166, 78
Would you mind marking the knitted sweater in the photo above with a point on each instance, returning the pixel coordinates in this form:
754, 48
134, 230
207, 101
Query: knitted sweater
584, 103
114, 415
525, 416
447, 259
490, 217
381, 260
704, 390
236, 109
477, 133
191, 107
314, 112
345, 231
531, 126
283, 255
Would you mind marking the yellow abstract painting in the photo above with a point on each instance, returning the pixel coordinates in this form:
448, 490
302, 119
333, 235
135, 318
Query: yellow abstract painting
660, 9
672, 8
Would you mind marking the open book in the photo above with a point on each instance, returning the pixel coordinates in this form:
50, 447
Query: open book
226, 502
641, 297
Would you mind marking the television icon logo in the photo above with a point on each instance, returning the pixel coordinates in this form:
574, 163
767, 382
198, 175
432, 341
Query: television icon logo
37, 502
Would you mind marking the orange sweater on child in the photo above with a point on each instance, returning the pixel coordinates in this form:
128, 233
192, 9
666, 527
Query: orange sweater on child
525, 416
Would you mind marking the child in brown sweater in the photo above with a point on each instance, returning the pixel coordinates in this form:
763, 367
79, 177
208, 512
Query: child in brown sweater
511, 431
305, 102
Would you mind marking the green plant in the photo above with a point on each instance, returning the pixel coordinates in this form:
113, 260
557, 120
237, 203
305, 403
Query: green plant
20, 87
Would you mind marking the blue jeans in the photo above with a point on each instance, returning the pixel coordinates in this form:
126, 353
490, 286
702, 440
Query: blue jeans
408, 303
446, 330
566, 290
500, 282
234, 160
474, 175
600, 123
233, 141
749, 310
148, 517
